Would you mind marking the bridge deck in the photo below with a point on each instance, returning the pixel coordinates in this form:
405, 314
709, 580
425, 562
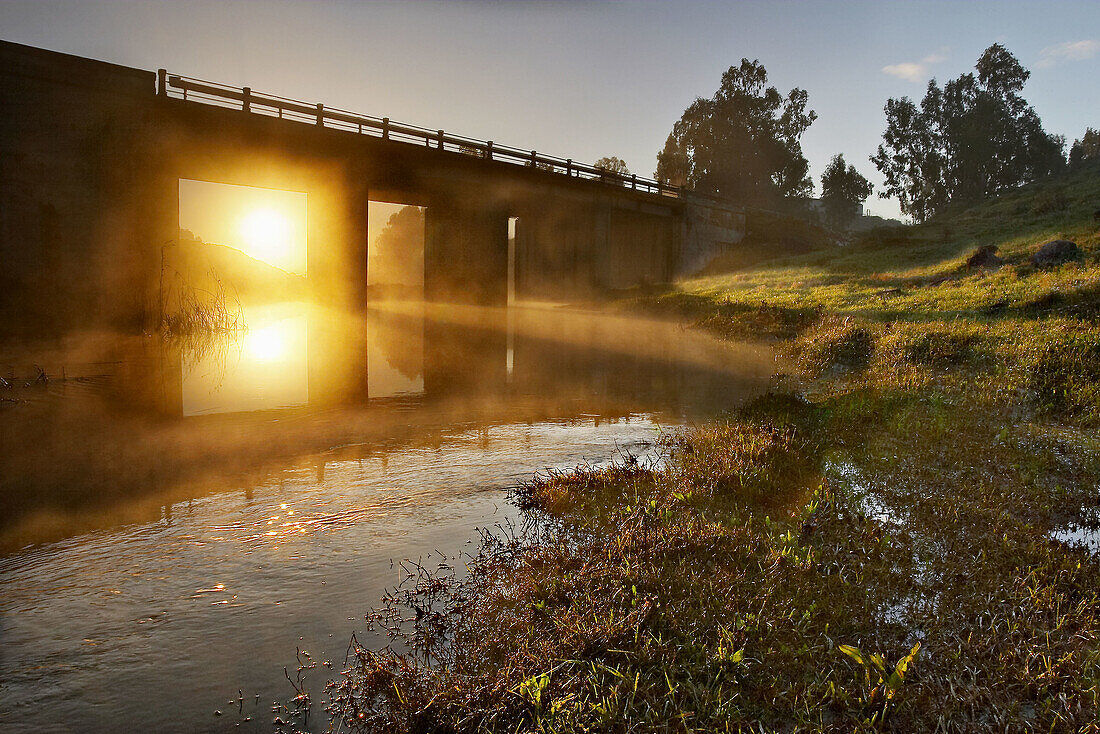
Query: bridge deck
243, 98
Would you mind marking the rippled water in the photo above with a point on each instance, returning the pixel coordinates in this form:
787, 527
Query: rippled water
171, 545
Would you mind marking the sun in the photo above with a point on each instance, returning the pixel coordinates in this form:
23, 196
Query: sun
266, 235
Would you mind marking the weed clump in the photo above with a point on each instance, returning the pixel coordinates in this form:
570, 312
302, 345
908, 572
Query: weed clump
939, 348
1082, 302
742, 461
844, 347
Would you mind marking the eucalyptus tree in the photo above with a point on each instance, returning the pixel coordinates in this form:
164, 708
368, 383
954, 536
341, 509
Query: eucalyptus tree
972, 138
843, 189
743, 143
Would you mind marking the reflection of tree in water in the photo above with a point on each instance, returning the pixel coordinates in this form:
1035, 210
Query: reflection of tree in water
397, 253
400, 339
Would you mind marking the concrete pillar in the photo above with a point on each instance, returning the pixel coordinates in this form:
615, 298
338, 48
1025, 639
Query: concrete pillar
465, 255
336, 242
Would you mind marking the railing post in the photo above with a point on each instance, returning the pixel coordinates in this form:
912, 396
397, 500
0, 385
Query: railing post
439, 137
162, 82
489, 150
320, 114
568, 166
534, 158
246, 102
634, 181
385, 128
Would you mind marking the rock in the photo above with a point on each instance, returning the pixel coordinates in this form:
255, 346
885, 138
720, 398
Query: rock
1055, 253
984, 257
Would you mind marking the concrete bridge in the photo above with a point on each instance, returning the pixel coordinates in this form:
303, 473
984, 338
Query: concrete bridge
91, 155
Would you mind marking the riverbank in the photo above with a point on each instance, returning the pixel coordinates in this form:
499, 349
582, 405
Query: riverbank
902, 537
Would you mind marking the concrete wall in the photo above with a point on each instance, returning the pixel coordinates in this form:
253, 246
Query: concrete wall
568, 250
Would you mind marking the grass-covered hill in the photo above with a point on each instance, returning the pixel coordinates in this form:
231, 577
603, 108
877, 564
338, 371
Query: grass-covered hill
928, 262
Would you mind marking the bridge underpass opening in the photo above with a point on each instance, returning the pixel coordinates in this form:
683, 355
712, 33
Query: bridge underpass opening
236, 278
395, 293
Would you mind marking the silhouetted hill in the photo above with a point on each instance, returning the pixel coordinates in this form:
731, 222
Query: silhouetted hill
208, 266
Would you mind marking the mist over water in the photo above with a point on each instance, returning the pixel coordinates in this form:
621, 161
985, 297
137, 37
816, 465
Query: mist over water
179, 515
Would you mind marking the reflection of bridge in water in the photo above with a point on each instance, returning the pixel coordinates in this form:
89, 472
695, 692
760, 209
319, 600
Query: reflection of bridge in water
296, 357
153, 421
98, 151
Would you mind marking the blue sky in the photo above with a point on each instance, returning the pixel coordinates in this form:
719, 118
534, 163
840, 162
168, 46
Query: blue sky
584, 80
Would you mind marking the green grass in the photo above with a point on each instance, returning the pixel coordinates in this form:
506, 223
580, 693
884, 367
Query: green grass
870, 548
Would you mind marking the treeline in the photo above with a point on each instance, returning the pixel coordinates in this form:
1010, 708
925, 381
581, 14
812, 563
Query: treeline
972, 138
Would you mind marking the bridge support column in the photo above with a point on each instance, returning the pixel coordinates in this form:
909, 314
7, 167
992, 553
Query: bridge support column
560, 251
337, 242
465, 255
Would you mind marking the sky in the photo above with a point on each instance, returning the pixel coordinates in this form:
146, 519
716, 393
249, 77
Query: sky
588, 79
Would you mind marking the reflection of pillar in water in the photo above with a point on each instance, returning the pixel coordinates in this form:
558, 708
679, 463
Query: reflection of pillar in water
338, 368
465, 350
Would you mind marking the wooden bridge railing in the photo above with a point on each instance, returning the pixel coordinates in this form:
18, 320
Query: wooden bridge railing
243, 98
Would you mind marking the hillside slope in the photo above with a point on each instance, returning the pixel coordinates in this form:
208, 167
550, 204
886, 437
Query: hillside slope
209, 267
927, 262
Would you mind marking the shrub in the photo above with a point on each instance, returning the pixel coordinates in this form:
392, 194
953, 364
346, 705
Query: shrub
1050, 201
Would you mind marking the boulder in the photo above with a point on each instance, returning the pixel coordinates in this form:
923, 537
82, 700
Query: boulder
1055, 253
984, 257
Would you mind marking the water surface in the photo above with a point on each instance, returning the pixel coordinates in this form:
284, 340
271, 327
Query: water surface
180, 516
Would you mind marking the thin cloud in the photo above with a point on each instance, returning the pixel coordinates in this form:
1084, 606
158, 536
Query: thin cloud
915, 71
1068, 51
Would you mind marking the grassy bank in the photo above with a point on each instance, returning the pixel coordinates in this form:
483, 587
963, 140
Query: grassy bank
885, 543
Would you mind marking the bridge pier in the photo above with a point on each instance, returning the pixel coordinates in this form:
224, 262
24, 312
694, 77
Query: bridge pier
465, 254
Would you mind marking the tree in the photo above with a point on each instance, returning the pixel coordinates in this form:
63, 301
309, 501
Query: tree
397, 255
742, 143
1085, 150
673, 162
843, 189
972, 138
612, 165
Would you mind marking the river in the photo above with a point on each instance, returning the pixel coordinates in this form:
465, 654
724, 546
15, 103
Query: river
180, 516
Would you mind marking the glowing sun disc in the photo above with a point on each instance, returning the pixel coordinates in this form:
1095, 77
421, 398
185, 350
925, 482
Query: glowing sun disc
266, 235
